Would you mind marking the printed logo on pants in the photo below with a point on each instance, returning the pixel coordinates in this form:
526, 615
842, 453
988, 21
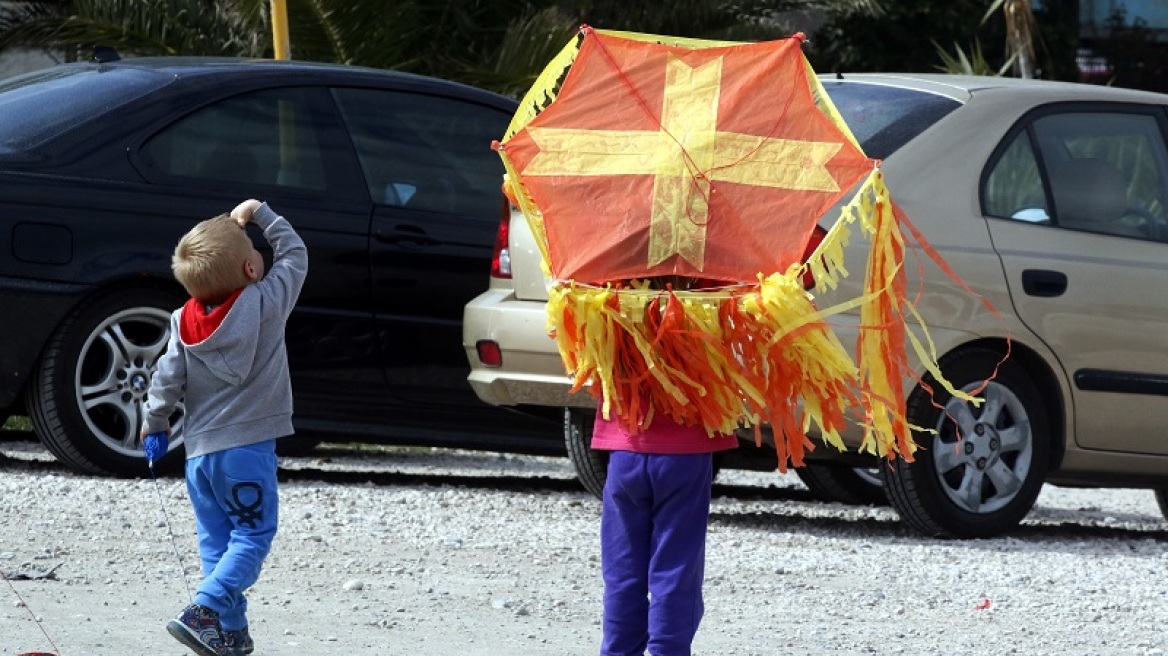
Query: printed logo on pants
247, 514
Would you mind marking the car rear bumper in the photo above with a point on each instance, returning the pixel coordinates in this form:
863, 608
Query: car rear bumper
531, 371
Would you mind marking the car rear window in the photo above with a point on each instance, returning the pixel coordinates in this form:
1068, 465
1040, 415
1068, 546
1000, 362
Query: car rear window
40, 105
884, 118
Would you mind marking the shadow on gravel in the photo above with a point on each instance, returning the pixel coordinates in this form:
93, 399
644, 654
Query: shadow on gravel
1058, 531
541, 483
788, 521
771, 493
876, 529
388, 478
17, 464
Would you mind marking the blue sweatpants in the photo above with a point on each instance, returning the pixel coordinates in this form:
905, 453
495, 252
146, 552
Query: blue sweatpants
236, 514
653, 551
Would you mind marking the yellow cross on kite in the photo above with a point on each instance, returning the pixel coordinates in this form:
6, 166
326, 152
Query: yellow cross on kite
685, 156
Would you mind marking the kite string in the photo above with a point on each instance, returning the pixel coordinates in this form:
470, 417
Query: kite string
766, 137
30, 613
174, 545
779, 119
632, 89
690, 164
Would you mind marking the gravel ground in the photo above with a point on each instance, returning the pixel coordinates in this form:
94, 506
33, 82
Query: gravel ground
421, 552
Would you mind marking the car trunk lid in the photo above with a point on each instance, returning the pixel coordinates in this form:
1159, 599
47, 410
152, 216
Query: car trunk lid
526, 269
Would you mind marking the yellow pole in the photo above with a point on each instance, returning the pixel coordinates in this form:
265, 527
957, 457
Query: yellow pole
280, 30
287, 127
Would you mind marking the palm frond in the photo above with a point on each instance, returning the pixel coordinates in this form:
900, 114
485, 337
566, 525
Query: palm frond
975, 63
529, 43
1021, 33
140, 27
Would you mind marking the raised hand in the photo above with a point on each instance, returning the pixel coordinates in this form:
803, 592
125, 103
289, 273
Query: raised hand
242, 212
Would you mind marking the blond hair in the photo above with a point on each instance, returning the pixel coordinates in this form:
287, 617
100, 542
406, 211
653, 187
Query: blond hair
209, 259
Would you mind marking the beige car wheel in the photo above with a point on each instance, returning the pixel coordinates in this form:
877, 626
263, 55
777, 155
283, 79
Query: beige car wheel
981, 470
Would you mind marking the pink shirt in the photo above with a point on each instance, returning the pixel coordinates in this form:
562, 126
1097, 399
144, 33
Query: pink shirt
663, 436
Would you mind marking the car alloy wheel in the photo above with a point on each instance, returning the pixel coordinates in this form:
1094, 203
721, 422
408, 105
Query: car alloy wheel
981, 470
983, 455
87, 397
112, 374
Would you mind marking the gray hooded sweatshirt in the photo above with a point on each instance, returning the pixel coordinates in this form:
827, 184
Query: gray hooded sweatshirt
229, 362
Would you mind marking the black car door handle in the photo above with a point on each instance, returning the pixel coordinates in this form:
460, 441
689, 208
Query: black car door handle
404, 235
1040, 282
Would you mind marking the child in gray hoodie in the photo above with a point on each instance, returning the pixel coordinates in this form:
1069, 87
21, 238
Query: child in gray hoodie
226, 356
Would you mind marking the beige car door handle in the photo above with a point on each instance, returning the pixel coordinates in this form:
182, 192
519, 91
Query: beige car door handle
1044, 283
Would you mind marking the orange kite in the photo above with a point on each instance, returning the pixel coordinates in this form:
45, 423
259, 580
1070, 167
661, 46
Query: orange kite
638, 157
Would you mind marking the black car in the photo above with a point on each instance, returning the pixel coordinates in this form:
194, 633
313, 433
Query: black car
388, 177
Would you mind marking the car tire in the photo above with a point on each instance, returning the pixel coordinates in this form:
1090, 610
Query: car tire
1162, 500
984, 484
86, 397
854, 486
590, 465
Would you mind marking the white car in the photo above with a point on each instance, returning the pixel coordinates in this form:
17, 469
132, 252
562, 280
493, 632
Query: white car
1050, 201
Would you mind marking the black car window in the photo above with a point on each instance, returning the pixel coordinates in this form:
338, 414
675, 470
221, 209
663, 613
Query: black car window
269, 137
884, 118
1108, 172
426, 152
1013, 189
38, 106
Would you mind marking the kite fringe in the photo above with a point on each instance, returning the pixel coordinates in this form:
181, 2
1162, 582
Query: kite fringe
761, 353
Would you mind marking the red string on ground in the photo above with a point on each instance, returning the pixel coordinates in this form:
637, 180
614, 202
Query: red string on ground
31, 614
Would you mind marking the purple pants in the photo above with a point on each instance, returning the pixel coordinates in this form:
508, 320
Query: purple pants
653, 551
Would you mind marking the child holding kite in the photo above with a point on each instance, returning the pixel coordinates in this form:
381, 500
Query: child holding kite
653, 533
644, 161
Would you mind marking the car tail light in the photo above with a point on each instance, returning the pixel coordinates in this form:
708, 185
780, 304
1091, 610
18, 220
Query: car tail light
489, 353
813, 243
501, 259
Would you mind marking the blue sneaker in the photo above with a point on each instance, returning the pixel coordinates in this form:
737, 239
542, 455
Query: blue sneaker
198, 628
239, 640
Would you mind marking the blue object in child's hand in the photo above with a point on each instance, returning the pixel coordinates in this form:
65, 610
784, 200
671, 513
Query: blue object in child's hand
155, 445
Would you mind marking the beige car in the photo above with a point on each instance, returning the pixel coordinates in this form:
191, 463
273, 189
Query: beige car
1050, 201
